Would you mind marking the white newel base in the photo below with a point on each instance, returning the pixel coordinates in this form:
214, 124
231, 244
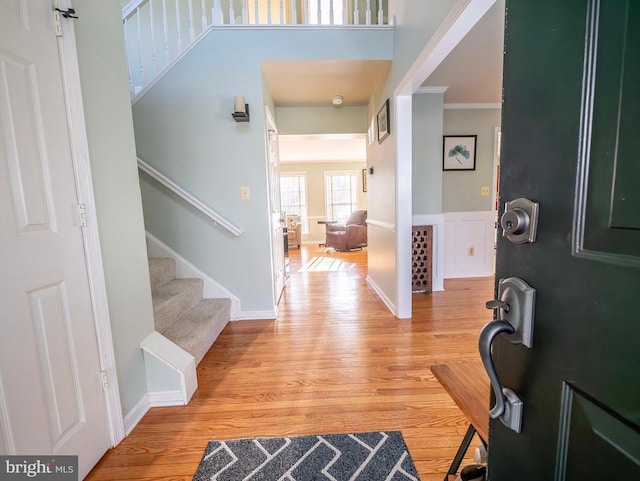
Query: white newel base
171, 371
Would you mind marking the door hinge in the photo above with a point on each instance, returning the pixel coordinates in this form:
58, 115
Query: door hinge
57, 22
82, 215
105, 381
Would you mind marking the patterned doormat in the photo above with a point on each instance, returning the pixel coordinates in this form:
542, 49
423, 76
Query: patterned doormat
376, 456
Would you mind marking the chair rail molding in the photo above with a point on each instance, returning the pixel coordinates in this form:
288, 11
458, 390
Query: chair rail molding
382, 224
187, 197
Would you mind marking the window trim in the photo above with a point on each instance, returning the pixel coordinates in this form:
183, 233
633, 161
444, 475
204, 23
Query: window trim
305, 216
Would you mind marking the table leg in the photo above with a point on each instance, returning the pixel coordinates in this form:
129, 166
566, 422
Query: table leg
464, 446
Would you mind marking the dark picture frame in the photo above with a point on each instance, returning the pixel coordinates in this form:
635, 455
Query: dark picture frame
383, 121
364, 180
459, 152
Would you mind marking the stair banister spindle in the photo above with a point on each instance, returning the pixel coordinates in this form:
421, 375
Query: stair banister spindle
192, 30
128, 55
217, 17
178, 25
232, 13
345, 17
380, 14
294, 13
153, 36
245, 15
257, 12
165, 31
281, 12
143, 73
368, 12
319, 4
203, 16
305, 20
331, 13
269, 20
356, 13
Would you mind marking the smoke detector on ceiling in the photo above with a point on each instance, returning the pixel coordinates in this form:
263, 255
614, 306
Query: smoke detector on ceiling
337, 100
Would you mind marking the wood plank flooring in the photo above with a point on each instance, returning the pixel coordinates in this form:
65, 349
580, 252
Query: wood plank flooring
335, 361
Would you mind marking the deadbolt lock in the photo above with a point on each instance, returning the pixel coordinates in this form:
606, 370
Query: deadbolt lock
520, 221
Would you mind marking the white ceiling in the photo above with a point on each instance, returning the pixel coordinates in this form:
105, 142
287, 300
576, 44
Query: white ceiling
473, 70
322, 148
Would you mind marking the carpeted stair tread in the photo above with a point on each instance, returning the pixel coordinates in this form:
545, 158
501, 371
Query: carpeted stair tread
173, 299
200, 326
161, 271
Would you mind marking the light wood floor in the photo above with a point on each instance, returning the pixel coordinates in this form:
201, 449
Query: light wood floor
335, 361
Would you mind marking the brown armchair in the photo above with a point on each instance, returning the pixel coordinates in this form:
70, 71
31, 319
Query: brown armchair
350, 235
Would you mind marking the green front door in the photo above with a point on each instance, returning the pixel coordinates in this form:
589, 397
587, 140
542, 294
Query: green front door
571, 142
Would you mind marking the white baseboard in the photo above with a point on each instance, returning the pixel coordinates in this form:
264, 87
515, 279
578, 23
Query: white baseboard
311, 242
390, 305
246, 315
184, 269
136, 414
166, 398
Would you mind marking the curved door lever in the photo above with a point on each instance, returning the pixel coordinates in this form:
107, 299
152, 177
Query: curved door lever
514, 316
487, 335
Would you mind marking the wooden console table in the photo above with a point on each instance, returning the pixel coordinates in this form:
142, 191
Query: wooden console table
468, 385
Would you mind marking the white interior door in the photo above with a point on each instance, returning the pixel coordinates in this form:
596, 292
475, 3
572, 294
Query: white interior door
277, 241
51, 394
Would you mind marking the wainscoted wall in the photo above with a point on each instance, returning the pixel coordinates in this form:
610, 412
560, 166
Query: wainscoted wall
469, 244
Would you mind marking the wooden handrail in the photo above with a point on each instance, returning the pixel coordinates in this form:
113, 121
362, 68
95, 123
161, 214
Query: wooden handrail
187, 197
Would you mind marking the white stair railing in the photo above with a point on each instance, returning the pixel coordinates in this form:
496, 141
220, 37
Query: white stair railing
157, 32
187, 197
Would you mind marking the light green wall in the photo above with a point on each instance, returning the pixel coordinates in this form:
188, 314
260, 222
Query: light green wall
314, 172
184, 128
117, 192
321, 120
461, 189
427, 150
415, 23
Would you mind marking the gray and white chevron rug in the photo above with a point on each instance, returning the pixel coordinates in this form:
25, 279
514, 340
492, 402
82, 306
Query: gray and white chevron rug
376, 456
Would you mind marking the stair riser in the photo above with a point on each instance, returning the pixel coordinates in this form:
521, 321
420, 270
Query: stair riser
199, 328
173, 300
161, 272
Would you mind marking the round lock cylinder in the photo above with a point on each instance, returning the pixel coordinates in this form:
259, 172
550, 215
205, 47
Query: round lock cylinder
520, 221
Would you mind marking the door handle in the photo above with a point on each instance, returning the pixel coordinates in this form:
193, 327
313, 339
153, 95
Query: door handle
487, 335
514, 317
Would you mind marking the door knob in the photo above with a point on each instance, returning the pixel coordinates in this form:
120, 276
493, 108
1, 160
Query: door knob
514, 316
520, 221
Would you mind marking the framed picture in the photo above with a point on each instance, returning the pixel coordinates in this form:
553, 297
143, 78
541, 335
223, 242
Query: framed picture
383, 120
459, 152
364, 180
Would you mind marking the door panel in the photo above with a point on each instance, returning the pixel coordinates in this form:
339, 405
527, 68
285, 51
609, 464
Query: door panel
568, 110
609, 196
51, 396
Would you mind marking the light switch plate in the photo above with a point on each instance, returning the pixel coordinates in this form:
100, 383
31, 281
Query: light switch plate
245, 192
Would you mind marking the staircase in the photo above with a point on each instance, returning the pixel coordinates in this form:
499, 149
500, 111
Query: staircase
181, 314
